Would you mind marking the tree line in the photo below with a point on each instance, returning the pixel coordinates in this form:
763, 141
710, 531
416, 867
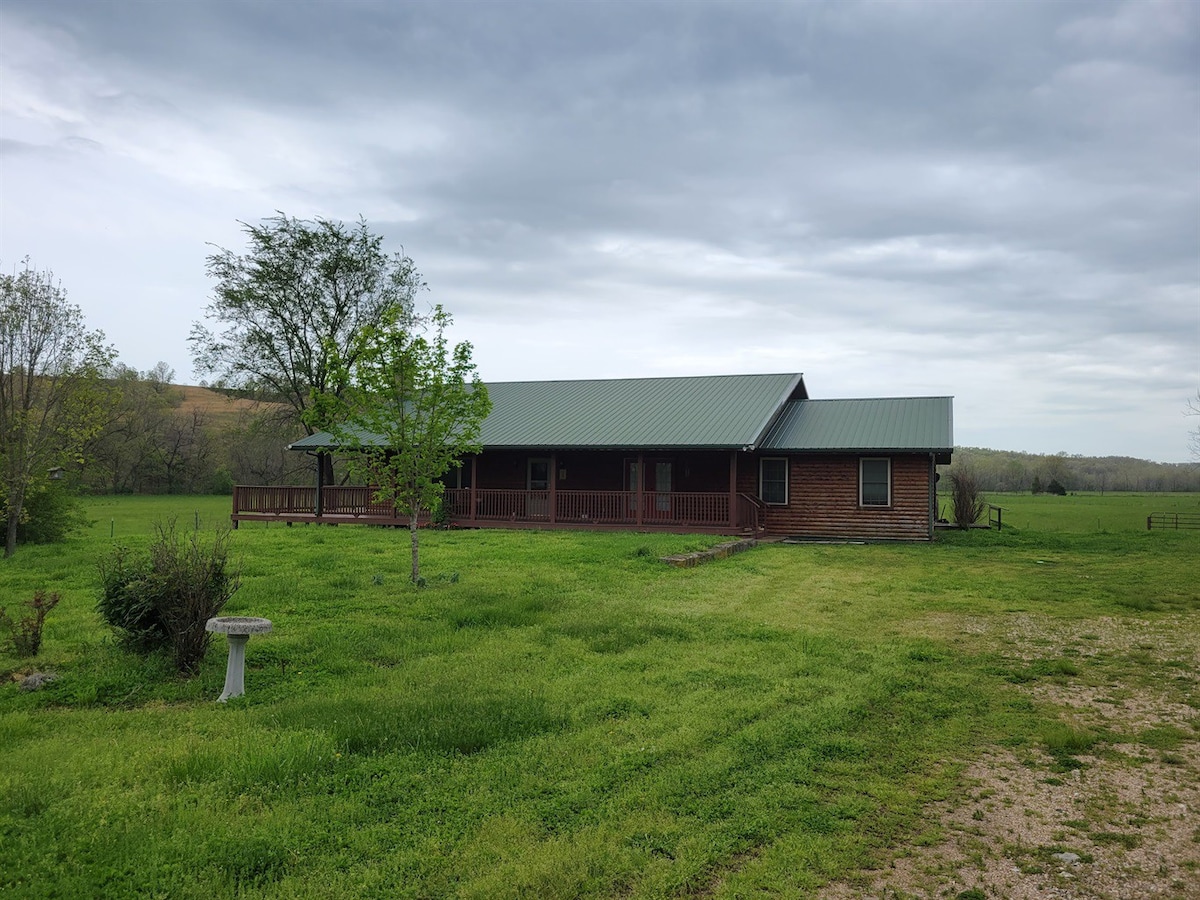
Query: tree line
1006, 470
162, 438
315, 323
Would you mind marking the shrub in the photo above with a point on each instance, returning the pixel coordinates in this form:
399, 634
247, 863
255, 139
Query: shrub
130, 600
221, 482
439, 514
25, 634
1055, 487
162, 599
49, 513
966, 501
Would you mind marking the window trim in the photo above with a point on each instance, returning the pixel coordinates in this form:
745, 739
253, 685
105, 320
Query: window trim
862, 482
786, 480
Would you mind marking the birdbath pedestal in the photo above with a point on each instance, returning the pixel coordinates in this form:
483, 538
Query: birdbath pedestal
238, 629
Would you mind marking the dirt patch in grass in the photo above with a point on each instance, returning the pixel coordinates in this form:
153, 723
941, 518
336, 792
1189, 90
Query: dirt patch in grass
1108, 809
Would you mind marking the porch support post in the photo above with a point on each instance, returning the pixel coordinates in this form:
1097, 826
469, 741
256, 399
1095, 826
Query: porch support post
474, 481
932, 492
320, 485
733, 523
641, 483
553, 488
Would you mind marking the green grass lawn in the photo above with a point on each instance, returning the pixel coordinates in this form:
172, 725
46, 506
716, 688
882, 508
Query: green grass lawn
555, 714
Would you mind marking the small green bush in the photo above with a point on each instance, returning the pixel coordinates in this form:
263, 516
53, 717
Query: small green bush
163, 599
48, 515
439, 514
221, 482
130, 600
25, 633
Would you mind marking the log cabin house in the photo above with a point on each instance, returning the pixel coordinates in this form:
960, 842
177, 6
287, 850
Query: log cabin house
724, 454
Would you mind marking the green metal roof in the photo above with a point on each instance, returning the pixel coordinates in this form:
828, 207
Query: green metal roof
717, 411
705, 412
899, 423
765, 412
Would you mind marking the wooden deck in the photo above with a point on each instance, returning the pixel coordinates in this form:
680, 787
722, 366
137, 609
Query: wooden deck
701, 512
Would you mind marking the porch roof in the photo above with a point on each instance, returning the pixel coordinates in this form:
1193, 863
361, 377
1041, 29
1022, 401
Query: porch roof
705, 412
886, 424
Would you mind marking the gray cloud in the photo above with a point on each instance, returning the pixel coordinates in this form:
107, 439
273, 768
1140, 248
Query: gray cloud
998, 201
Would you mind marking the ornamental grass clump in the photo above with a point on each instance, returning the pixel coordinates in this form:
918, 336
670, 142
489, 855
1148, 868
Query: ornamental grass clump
25, 633
162, 599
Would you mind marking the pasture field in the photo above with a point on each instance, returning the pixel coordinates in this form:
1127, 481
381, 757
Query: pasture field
560, 714
1085, 512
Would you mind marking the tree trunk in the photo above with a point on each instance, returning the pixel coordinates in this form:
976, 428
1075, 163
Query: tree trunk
412, 529
10, 538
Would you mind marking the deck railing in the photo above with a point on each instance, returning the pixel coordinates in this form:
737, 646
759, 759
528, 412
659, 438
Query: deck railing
750, 513
273, 500
685, 509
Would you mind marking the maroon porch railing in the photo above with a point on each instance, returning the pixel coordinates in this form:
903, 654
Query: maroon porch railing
355, 500
749, 513
273, 500
686, 510
590, 507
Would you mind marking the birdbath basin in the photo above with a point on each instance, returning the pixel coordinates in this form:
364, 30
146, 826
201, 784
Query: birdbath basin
238, 629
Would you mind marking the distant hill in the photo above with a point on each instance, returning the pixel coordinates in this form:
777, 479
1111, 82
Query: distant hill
220, 408
215, 405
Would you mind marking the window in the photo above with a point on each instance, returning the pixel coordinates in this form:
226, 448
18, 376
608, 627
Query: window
875, 482
457, 476
773, 481
537, 474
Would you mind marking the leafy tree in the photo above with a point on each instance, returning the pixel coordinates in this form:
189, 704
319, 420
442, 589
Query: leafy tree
413, 409
52, 398
292, 310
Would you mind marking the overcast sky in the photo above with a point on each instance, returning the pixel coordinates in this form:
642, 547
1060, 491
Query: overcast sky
996, 200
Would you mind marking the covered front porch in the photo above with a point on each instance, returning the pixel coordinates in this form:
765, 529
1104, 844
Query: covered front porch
614, 490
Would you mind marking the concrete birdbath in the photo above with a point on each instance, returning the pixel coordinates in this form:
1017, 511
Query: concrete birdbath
238, 629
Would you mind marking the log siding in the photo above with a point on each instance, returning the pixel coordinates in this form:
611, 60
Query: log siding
823, 498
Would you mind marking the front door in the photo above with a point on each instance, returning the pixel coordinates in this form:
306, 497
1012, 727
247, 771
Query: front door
537, 484
659, 479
